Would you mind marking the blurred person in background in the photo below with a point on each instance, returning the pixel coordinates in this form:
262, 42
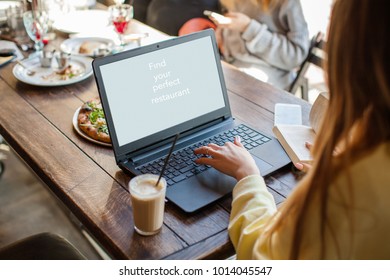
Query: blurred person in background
267, 39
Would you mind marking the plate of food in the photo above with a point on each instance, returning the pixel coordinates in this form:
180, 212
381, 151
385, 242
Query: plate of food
87, 46
90, 123
31, 72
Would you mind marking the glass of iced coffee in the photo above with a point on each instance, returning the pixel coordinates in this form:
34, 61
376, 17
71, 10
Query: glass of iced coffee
148, 202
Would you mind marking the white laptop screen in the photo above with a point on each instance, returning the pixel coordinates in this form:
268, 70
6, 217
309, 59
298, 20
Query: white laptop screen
152, 92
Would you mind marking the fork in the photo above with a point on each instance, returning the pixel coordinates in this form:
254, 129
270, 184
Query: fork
28, 71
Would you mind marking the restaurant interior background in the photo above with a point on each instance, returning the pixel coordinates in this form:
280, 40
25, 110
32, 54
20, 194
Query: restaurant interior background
27, 207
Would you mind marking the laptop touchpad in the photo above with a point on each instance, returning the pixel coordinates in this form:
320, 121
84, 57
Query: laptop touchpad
262, 165
273, 152
200, 190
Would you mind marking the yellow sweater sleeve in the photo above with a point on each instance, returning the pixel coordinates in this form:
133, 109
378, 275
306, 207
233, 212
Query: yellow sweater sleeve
252, 207
357, 210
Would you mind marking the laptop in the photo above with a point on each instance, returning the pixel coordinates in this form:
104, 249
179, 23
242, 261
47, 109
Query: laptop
154, 92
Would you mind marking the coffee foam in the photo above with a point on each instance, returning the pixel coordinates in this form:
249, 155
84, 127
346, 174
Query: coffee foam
147, 188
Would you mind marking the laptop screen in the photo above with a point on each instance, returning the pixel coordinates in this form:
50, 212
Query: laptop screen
168, 87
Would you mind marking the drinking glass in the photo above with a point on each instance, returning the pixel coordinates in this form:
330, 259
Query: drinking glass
120, 16
36, 24
15, 23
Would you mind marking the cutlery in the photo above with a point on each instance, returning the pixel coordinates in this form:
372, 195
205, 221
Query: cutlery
28, 71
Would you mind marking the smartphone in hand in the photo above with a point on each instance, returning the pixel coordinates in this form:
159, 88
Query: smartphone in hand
217, 17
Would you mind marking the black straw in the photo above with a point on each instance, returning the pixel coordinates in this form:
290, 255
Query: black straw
167, 159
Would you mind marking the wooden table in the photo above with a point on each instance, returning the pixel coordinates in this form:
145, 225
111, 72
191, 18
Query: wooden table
37, 124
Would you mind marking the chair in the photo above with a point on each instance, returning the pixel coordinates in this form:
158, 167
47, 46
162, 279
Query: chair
2, 147
315, 56
1, 168
43, 246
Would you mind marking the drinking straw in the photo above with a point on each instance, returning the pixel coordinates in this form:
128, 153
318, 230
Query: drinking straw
167, 158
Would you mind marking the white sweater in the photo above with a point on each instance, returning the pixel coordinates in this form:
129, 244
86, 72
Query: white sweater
272, 46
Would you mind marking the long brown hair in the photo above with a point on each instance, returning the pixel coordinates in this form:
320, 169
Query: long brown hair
358, 115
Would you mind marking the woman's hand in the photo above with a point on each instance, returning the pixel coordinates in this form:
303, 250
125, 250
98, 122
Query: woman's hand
301, 166
238, 21
304, 167
232, 159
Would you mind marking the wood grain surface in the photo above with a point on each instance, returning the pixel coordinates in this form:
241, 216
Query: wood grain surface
37, 123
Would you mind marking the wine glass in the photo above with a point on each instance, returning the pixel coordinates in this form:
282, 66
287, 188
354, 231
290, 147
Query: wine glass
120, 16
36, 24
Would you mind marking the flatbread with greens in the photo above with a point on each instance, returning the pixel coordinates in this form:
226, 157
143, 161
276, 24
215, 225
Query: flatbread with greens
91, 121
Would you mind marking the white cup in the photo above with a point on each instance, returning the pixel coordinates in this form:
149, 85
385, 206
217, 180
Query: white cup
62, 59
45, 57
148, 202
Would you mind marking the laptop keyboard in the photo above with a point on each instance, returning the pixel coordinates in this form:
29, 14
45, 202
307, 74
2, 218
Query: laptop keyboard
181, 164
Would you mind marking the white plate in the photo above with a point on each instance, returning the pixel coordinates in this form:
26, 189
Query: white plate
72, 45
82, 134
78, 5
38, 79
81, 21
